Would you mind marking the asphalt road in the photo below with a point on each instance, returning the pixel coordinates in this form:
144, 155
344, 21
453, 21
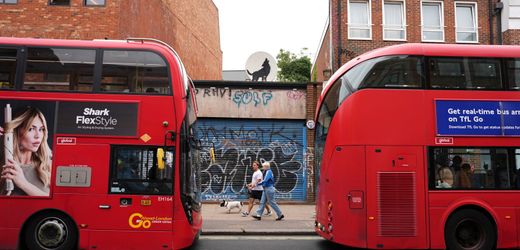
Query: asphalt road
264, 243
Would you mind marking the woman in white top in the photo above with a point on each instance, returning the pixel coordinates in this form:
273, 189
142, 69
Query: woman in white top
255, 190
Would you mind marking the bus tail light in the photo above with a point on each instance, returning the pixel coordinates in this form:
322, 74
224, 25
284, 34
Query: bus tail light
329, 217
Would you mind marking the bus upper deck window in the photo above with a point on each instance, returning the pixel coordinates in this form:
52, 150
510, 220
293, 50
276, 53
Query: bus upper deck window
513, 71
134, 72
59, 69
394, 72
7, 68
465, 73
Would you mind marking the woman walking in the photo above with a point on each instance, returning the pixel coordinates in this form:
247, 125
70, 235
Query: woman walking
268, 195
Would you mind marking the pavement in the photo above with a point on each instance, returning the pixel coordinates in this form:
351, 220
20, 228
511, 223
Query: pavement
299, 220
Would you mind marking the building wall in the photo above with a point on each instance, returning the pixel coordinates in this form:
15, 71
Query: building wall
511, 22
313, 95
512, 37
189, 26
510, 14
347, 49
37, 19
256, 103
279, 133
321, 69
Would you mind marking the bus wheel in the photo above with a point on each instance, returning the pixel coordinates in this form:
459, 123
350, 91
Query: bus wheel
469, 229
51, 230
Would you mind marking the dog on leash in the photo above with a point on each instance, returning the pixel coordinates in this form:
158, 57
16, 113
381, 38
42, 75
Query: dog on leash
231, 205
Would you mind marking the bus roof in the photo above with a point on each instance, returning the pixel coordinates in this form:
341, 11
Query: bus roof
424, 49
101, 43
464, 50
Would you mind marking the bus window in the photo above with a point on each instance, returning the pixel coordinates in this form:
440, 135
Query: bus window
465, 73
134, 170
517, 169
471, 168
7, 68
58, 69
446, 73
134, 72
394, 72
513, 71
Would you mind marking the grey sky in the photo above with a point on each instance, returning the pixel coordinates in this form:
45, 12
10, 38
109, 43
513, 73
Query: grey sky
247, 26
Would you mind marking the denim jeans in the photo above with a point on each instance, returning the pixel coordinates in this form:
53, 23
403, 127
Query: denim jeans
268, 196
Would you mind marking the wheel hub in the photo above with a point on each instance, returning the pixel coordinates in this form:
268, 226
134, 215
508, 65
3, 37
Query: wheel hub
51, 233
469, 234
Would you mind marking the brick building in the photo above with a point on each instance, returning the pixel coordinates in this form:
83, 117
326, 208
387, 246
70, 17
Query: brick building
358, 26
189, 26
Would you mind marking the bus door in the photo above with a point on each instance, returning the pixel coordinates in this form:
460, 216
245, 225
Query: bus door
396, 197
116, 188
140, 189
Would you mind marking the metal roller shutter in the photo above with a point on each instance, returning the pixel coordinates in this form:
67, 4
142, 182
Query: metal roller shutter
238, 143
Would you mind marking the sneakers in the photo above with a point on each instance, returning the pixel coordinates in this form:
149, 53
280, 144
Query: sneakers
245, 214
258, 217
269, 213
281, 217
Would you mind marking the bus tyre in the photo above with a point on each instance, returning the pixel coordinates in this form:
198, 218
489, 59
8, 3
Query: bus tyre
51, 230
469, 229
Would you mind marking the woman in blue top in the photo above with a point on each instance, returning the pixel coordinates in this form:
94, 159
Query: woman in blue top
268, 194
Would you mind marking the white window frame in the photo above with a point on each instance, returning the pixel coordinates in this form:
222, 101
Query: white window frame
475, 20
441, 3
85, 2
403, 18
369, 20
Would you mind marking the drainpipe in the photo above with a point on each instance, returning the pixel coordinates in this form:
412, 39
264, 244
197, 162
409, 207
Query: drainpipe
339, 33
498, 12
491, 14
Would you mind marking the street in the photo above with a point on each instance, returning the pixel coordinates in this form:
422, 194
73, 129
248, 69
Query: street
261, 242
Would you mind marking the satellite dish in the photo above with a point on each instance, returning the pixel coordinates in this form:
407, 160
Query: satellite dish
261, 66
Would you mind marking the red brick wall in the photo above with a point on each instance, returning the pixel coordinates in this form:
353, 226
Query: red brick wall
313, 94
352, 48
511, 37
322, 62
189, 26
37, 19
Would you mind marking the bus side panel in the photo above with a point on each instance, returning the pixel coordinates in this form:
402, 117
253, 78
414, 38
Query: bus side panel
184, 233
8, 230
346, 191
396, 197
130, 240
8, 238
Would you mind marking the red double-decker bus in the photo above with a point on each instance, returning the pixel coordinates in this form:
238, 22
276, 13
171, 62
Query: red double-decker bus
98, 146
418, 147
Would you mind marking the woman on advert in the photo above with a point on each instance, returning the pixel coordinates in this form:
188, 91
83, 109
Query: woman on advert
30, 167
